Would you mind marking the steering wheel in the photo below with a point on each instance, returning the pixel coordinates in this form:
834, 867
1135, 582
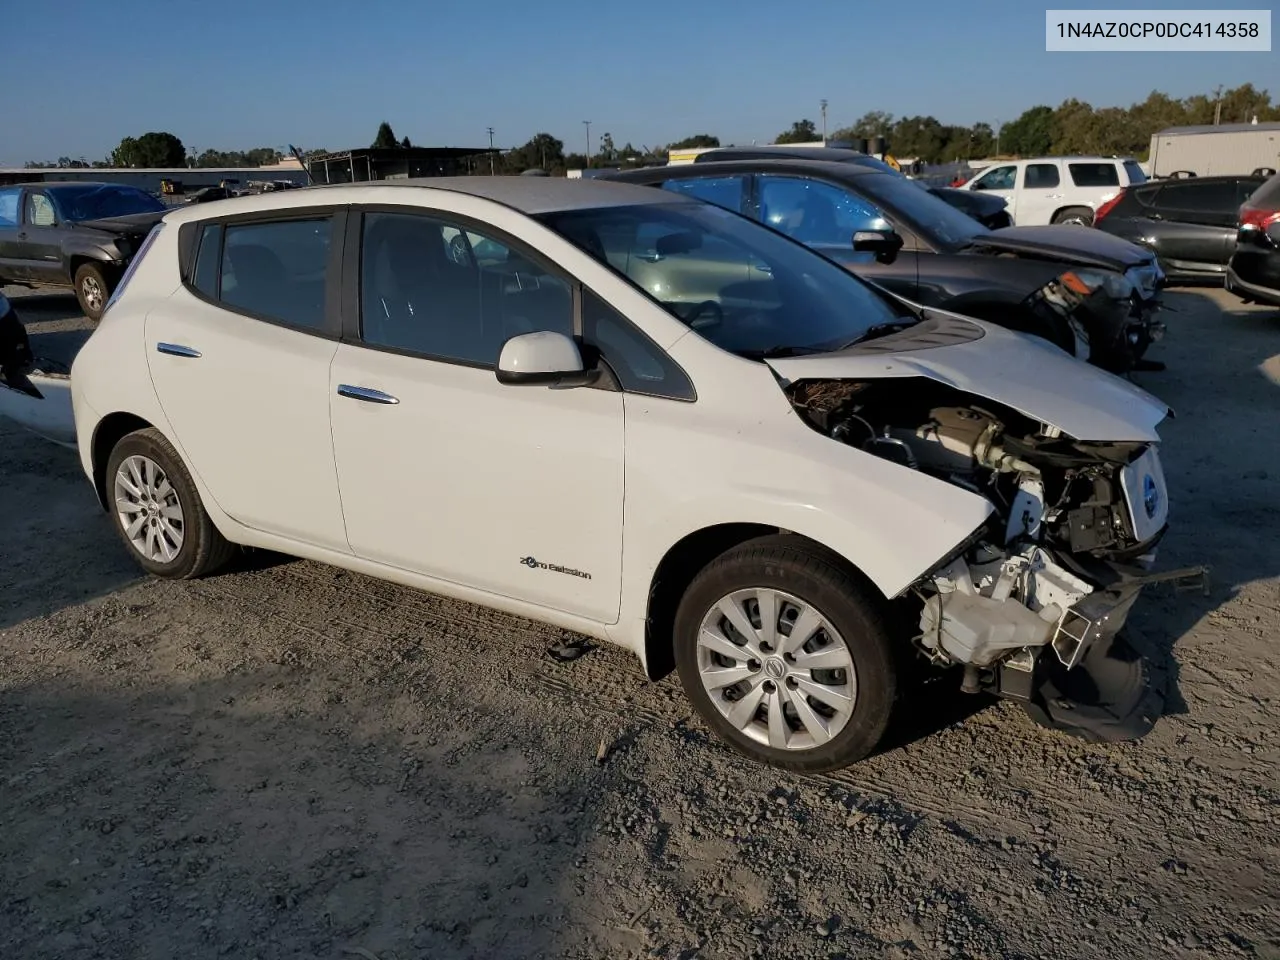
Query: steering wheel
713, 310
459, 252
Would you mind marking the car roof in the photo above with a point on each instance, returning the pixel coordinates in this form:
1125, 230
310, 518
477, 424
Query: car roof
529, 195
56, 184
799, 153
833, 168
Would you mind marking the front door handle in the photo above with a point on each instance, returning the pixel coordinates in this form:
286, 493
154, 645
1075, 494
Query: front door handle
365, 394
176, 350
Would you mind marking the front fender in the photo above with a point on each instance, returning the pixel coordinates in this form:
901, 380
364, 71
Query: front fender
892, 523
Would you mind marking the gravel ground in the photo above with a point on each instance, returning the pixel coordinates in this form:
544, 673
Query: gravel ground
288, 760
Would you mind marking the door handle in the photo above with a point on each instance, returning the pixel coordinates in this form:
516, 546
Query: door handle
176, 350
365, 394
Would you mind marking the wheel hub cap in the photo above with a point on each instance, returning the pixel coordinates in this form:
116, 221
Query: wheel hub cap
776, 669
148, 509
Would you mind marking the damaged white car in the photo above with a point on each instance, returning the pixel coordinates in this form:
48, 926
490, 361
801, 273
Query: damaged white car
636, 416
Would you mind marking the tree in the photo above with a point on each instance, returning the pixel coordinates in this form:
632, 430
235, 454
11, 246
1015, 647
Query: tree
802, 131
694, 142
386, 138
543, 151
607, 151
405, 143
1030, 135
875, 123
150, 150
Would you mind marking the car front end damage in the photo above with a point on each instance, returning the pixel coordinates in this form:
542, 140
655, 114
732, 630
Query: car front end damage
1115, 317
1031, 606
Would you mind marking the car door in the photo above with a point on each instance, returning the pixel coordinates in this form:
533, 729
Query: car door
1040, 193
825, 216
1198, 220
40, 238
1000, 182
444, 471
239, 356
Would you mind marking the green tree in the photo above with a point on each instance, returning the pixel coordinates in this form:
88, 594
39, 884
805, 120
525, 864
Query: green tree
543, 152
405, 143
386, 138
696, 141
875, 123
802, 131
1030, 135
150, 150
607, 151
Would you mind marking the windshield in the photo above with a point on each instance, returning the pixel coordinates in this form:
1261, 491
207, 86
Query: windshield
738, 284
98, 201
928, 214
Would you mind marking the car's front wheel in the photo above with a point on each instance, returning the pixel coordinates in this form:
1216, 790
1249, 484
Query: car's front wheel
92, 290
157, 511
787, 656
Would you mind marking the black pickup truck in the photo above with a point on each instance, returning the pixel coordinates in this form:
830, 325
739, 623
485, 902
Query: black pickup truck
73, 234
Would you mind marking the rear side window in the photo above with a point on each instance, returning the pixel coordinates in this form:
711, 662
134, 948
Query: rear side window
9, 206
205, 278
1198, 196
722, 191
277, 270
1041, 175
1094, 174
1134, 172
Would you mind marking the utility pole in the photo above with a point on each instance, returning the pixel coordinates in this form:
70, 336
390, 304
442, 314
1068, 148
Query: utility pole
490, 129
824, 121
587, 124
997, 136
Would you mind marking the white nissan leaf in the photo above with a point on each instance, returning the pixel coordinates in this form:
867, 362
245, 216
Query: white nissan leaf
636, 416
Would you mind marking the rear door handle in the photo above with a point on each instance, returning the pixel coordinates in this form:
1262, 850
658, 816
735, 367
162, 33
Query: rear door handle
177, 350
365, 394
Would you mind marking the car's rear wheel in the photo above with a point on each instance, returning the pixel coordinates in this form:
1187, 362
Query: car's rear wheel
786, 655
1082, 216
92, 290
157, 511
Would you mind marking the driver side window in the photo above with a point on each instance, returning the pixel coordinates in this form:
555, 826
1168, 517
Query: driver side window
816, 213
39, 210
1001, 178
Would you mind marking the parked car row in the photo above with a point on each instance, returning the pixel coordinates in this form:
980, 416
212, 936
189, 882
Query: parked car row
1090, 294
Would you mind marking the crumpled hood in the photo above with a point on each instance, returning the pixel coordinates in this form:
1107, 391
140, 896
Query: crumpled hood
1020, 371
1067, 242
132, 223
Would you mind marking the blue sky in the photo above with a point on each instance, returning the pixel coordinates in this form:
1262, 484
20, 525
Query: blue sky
323, 73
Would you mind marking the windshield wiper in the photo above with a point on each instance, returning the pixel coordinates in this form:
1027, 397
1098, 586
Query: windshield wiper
773, 353
880, 330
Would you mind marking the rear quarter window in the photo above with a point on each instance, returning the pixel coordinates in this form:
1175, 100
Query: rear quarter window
1094, 174
1134, 172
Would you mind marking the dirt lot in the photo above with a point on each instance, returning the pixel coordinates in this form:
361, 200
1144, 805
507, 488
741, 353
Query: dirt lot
288, 760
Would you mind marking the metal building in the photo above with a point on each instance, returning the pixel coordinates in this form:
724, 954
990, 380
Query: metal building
395, 163
1209, 150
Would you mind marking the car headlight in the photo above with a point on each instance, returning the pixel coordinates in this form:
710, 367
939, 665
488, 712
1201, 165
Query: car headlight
1085, 282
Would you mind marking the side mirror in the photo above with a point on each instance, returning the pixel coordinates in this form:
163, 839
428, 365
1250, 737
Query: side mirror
885, 245
543, 359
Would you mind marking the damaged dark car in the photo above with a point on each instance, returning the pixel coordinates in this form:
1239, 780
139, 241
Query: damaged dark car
77, 235
1095, 296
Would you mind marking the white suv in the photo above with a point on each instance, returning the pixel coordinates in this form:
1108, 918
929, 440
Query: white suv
1057, 189
636, 416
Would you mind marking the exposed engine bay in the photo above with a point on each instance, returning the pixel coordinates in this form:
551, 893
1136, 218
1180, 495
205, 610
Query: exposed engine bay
1061, 560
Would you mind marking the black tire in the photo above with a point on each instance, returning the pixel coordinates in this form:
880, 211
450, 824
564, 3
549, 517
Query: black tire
203, 548
92, 290
813, 575
1081, 215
